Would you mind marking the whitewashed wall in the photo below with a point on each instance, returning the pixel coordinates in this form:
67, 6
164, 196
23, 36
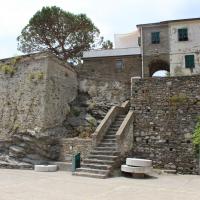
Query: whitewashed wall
178, 49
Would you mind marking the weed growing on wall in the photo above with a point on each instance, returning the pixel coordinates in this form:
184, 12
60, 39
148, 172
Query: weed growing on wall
196, 134
10, 68
36, 76
178, 99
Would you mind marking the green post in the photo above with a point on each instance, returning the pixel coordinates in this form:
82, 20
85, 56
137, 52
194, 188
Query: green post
76, 161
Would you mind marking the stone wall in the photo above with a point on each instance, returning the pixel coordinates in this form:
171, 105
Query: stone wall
105, 68
105, 92
71, 146
36, 95
166, 111
105, 84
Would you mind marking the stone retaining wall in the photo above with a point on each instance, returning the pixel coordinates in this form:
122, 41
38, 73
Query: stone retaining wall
70, 146
36, 94
166, 111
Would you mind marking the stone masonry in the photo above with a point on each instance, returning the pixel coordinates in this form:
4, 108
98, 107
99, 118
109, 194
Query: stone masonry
166, 111
36, 95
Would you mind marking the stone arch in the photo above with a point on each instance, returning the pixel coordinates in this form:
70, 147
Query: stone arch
158, 64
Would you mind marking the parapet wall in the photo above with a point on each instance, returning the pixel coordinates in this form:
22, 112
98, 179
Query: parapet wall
36, 95
166, 111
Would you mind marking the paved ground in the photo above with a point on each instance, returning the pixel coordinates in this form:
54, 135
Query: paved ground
30, 185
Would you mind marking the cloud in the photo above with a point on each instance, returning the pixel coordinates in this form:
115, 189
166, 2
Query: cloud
110, 16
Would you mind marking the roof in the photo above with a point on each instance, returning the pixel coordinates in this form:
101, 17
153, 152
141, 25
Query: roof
111, 52
169, 21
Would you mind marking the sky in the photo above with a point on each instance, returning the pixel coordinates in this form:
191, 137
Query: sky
110, 16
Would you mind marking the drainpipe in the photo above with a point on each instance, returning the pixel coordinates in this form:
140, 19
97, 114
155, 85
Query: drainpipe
141, 35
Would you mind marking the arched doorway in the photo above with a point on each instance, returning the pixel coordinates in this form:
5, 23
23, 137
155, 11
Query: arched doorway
158, 65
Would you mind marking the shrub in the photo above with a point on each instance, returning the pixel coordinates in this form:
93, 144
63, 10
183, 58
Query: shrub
196, 134
36, 76
8, 69
178, 99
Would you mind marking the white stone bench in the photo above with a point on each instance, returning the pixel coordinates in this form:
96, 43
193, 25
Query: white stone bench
45, 168
137, 166
136, 162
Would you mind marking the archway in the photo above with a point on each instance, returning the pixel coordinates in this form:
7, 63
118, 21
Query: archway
160, 73
158, 65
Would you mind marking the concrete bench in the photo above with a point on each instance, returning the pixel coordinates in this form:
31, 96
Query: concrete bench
45, 168
137, 166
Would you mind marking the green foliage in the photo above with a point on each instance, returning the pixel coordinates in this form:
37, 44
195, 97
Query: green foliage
86, 133
178, 99
16, 127
10, 67
107, 45
36, 76
75, 111
62, 33
196, 134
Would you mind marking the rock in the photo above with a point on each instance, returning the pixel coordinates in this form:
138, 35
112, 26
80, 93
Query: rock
17, 150
170, 166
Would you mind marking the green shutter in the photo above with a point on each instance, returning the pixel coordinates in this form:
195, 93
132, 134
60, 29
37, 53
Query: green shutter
155, 37
189, 61
183, 34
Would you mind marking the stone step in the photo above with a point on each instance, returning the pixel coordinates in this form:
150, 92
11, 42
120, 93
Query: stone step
119, 121
109, 137
102, 157
90, 175
98, 161
113, 129
109, 141
107, 144
115, 125
104, 152
93, 171
111, 133
96, 166
123, 115
120, 118
105, 148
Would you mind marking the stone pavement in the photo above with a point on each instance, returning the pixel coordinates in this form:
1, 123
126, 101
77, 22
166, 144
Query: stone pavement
30, 185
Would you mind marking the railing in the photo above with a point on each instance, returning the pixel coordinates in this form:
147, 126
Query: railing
124, 135
105, 124
124, 129
107, 121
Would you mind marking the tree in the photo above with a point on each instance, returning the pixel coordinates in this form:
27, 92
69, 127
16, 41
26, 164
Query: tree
107, 44
62, 33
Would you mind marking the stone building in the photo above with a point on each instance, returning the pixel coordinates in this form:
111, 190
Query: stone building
172, 46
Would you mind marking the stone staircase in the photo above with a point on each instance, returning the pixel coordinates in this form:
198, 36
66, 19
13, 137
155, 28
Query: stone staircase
102, 160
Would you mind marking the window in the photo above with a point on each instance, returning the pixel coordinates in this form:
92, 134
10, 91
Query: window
189, 61
183, 34
155, 37
139, 41
119, 65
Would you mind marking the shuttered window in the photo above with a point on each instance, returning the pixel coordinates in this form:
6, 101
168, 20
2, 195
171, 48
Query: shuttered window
119, 65
189, 61
183, 34
155, 37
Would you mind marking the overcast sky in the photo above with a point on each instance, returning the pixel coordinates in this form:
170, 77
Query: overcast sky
110, 16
